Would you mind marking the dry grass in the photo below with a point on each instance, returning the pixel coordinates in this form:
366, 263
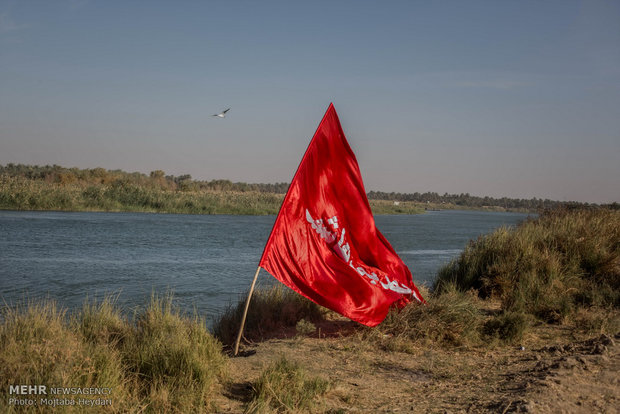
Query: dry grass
271, 311
547, 267
285, 387
20, 193
451, 319
161, 361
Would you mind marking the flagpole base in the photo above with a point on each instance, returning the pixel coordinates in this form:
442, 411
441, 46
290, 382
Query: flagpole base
245, 313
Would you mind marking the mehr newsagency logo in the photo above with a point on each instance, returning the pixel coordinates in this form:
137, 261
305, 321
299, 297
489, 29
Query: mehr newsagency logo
43, 395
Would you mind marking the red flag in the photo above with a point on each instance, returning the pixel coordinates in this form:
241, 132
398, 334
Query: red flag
324, 243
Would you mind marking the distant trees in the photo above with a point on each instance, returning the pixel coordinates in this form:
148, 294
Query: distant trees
160, 181
467, 200
156, 179
157, 174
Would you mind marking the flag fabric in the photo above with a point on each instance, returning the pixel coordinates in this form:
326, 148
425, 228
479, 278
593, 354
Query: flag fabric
324, 243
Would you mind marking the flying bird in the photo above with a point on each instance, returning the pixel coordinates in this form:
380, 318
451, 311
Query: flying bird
222, 114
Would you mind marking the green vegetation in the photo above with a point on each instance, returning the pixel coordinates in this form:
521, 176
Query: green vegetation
18, 193
466, 201
161, 361
388, 207
26, 187
158, 179
284, 387
56, 188
561, 268
450, 319
546, 267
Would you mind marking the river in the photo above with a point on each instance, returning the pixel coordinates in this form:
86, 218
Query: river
206, 261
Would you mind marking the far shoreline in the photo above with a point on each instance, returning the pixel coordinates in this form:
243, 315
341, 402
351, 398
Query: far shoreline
382, 210
56, 188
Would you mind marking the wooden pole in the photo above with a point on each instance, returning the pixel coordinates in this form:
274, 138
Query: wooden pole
245, 312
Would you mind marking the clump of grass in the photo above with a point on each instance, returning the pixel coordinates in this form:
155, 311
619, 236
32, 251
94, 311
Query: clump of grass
304, 328
546, 267
451, 318
160, 361
286, 387
176, 359
103, 323
40, 347
271, 310
507, 326
594, 322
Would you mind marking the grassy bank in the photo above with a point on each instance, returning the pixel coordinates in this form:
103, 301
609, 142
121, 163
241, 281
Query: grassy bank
159, 361
23, 194
562, 268
547, 267
19, 193
56, 174
522, 321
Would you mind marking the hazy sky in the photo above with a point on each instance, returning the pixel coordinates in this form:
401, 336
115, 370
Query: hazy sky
499, 98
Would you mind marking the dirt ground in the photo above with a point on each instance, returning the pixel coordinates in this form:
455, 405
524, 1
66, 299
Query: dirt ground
550, 372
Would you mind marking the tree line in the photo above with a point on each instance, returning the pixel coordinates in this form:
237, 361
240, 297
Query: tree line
158, 179
467, 200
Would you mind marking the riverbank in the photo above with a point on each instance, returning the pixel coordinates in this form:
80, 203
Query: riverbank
31, 187
161, 360
553, 372
525, 320
17, 193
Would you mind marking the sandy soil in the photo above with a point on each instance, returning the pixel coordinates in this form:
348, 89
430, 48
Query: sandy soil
552, 372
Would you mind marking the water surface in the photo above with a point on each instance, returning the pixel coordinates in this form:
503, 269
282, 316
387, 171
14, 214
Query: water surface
207, 261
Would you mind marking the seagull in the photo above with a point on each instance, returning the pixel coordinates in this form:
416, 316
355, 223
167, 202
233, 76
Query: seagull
222, 114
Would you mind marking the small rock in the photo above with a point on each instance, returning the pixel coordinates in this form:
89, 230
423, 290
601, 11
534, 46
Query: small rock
528, 407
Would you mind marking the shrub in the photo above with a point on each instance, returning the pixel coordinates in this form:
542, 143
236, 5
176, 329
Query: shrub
39, 348
102, 323
161, 361
449, 318
304, 328
547, 266
508, 326
270, 311
175, 358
